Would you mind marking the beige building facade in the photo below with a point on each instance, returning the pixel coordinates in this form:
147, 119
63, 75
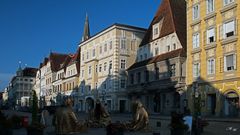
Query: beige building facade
104, 60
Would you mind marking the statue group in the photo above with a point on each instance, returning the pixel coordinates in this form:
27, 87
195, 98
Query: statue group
66, 121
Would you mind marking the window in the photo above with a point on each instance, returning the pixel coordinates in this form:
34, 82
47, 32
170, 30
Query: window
211, 66
123, 33
210, 6
132, 78
110, 45
100, 68
123, 43
123, 64
100, 49
93, 52
145, 55
133, 36
196, 12
155, 31
196, 69
156, 51
89, 70
173, 70
82, 57
168, 48
105, 66
174, 46
110, 65
139, 77
196, 40
82, 73
87, 55
123, 83
105, 47
146, 76
226, 2
230, 62
229, 29
211, 36
105, 85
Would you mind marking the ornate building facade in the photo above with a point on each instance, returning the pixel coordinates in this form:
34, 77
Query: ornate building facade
213, 74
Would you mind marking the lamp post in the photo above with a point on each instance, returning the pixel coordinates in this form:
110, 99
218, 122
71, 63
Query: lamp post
103, 95
197, 107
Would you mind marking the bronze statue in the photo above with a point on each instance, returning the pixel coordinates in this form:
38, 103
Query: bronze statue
65, 120
139, 122
140, 117
100, 117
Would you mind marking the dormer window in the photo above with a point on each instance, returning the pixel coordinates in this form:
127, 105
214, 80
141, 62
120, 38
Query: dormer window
156, 29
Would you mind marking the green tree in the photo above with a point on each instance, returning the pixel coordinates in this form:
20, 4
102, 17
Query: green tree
34, 107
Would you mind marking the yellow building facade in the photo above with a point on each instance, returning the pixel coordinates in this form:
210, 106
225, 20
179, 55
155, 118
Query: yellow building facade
213, 63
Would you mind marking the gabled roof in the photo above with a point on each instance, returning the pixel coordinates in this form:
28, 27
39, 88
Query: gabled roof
173, 13
56, 60
76, 59
175, 53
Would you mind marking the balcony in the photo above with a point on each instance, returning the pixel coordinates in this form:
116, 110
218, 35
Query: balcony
159, 85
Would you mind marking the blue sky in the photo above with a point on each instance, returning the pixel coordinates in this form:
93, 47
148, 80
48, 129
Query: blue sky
29, 29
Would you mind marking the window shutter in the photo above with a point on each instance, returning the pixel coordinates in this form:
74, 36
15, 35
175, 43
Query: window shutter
235, 61
236, 28
220, 32
221, 64
225, 63
214, 67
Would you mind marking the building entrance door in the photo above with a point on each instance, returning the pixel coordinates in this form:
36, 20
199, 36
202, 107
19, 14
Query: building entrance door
122, 106
212, 103
232, 104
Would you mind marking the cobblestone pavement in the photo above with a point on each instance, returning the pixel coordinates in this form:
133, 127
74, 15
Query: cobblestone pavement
214, 127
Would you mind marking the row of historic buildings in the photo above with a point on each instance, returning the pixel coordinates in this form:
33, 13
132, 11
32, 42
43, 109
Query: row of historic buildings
186, 59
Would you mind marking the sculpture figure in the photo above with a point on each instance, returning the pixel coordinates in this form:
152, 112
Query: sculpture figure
65, 120
101, 117
140, 117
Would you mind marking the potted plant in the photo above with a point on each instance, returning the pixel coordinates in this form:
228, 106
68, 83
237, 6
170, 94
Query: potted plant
177, 125
35, 128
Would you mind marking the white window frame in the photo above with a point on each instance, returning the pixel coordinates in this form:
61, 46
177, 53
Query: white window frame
123, 43
211, 33
94, 52
196, 14
234, 66
196, 70
196, 40
123, 64
229, 27
89, 70
210, 6
227, 2
211, 66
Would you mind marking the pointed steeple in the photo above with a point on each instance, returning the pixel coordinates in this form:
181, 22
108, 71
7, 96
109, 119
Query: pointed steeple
86, 31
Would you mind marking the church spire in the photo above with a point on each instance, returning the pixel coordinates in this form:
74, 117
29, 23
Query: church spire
86, 31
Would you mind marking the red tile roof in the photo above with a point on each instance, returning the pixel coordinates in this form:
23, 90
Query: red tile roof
56, 60
174, 14
175, 53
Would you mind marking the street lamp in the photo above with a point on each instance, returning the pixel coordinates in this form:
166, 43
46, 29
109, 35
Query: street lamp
104, 94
